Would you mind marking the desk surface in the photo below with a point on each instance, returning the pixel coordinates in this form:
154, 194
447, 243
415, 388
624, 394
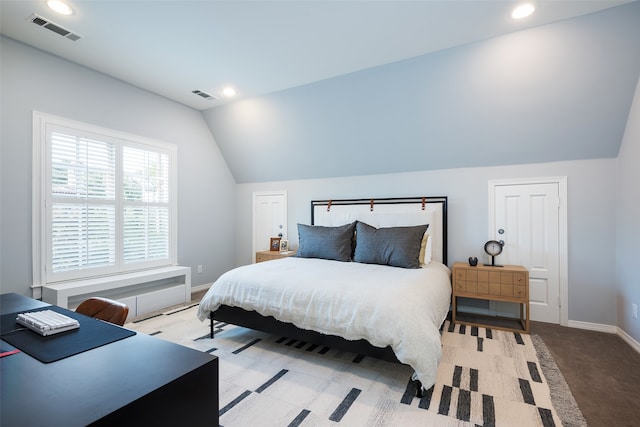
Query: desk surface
138, 378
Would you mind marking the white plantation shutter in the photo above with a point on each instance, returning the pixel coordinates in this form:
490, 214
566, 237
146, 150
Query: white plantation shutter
146, 205
107, 201
83, 201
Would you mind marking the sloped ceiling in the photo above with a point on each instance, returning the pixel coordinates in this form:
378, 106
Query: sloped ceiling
557, 92
172, 47
342, 88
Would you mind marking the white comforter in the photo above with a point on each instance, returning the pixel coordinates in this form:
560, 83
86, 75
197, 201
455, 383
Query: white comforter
403, 308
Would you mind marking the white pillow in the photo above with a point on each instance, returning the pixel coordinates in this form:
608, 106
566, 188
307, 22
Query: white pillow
426, 249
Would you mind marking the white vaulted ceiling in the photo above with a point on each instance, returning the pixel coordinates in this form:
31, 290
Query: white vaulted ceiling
174, 47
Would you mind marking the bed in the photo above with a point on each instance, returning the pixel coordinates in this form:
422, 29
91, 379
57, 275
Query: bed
357, 283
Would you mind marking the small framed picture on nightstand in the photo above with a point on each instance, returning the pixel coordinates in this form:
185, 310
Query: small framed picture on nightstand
275, 244
284, 245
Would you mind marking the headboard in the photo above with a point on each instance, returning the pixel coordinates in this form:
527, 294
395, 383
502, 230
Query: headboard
391, 212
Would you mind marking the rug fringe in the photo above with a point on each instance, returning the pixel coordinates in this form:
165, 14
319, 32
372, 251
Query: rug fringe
563, 401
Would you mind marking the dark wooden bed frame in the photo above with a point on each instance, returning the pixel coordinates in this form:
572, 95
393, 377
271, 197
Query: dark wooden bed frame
253, 320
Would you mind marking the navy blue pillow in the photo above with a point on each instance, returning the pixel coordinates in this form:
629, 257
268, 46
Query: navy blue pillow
335, 243
395, 246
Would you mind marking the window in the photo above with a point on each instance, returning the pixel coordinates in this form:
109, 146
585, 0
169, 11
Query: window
104, 202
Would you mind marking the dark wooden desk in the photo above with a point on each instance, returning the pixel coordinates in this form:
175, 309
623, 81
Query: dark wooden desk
140, 380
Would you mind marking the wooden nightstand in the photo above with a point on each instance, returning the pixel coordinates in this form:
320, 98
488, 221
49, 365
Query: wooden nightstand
509, 283
262, 256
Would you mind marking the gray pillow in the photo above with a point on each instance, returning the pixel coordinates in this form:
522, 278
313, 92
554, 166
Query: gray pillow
395, 246
335, 243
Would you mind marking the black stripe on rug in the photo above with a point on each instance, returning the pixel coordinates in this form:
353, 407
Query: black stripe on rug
246, 346
358, 358
527, 393
480, 344
409, 392
234, 402
473, 379
272, 380
463, 412
457, 376
300, 418
518, 338
488, 411
344, 406
445, 400
533, 370
547, 417
425, 401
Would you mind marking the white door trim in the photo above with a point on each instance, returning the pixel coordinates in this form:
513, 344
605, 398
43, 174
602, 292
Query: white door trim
562, 232
257, 194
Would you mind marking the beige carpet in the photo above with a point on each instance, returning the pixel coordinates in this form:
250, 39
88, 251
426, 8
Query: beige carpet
485, 378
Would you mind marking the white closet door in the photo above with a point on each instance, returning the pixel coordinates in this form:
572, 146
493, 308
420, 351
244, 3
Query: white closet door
526, 218
269, 218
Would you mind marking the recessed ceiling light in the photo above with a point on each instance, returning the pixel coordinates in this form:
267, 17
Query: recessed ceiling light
229, 91
523, 11
60, 7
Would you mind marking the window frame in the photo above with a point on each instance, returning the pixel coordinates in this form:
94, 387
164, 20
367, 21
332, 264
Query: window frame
41, 216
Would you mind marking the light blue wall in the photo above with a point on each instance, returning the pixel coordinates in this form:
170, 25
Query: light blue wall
628, 223
34, 80
591, 210
551, 93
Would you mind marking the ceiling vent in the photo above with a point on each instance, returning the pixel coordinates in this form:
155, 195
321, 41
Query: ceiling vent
58, 29
205, 95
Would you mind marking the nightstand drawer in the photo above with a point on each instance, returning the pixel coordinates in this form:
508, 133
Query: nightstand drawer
506, 290
472, 288
506, 278
483, 288
520, 291
494, 289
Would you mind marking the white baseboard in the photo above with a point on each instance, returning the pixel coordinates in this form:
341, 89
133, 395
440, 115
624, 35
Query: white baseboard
608, 329
629, 339
199, 288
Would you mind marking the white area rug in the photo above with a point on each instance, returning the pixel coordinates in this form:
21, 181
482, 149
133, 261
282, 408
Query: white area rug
485, 378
